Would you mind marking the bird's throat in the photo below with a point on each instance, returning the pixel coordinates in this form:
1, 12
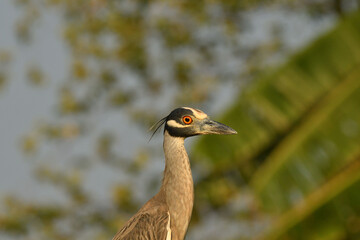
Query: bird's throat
178, 183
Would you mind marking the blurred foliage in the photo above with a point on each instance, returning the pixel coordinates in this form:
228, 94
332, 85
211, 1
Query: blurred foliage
130, 36
5, 60
25, 24
2, 80
299, 140
104, 146
36, 76
125, 54
29, 144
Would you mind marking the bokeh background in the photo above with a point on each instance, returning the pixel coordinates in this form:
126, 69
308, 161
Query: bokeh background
82, 81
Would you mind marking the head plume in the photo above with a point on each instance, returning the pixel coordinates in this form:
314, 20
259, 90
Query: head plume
156, 126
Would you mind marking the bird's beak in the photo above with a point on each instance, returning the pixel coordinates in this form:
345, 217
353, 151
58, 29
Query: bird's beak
212, 127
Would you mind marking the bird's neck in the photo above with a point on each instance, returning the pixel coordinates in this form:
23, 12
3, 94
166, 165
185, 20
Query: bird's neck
178, 183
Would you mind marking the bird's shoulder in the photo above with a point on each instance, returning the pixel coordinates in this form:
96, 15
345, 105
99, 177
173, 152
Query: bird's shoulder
151, 222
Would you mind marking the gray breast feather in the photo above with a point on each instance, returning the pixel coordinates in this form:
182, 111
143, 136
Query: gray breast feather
146, 226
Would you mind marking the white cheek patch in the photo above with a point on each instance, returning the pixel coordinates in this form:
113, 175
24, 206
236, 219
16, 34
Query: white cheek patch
197, 113
173, 123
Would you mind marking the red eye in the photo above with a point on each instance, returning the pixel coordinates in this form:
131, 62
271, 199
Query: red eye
187, 119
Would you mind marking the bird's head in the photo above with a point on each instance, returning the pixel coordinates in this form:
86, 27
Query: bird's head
186, 122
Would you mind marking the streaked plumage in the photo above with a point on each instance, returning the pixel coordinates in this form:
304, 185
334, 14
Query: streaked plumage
166, 216
151, 222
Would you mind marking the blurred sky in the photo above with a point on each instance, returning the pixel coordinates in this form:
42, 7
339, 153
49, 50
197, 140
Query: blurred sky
22, 105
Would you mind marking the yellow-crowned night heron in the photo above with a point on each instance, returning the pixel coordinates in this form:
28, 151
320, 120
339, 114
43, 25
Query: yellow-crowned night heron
166, 216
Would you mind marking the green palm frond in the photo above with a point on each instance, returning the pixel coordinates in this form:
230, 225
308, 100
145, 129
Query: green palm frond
299, 140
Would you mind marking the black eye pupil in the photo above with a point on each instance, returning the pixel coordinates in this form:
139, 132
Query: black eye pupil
187, 120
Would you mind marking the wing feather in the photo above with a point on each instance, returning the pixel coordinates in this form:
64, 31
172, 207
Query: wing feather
146, 226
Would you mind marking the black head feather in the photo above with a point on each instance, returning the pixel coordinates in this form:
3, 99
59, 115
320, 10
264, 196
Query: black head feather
200, 124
